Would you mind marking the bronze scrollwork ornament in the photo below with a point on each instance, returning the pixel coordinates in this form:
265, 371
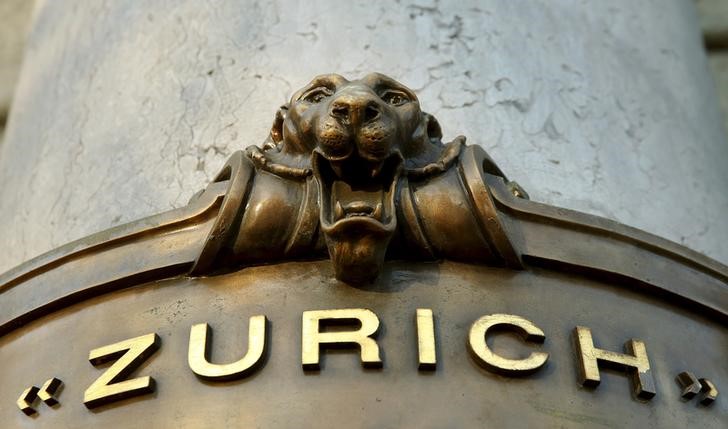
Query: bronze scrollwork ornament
356, 173
357, 169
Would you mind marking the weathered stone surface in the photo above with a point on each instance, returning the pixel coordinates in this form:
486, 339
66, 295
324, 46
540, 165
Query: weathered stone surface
126, 109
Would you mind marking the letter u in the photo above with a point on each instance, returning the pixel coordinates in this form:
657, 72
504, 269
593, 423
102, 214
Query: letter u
199, 352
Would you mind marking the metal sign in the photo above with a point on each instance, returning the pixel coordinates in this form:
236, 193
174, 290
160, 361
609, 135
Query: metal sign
354, 269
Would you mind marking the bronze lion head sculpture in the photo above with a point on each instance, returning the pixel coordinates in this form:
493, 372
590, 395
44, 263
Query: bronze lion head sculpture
355, 169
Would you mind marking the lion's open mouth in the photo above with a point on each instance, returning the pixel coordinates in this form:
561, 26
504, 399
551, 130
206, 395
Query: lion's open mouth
357, 190
357, 212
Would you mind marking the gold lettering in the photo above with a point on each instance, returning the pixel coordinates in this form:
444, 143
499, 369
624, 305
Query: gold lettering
426, 340
635, 362
198, 355
111, 386
312, 339
488, 359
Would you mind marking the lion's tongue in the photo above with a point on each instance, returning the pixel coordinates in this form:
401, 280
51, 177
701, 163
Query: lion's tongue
348, 201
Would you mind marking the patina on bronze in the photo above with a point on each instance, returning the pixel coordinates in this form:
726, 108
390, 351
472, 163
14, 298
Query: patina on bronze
365, 174
436, 253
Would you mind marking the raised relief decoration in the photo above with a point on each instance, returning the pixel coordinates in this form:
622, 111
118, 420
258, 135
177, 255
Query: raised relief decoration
357, 170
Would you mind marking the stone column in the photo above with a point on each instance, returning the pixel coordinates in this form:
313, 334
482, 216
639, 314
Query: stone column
125, 109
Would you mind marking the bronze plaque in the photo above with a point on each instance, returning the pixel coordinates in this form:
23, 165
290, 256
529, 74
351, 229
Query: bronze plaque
354, 270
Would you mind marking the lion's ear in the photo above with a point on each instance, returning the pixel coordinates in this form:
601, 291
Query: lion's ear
276, 131
434, 132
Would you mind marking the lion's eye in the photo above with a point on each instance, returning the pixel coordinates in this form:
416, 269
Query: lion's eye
395, 98
317, 95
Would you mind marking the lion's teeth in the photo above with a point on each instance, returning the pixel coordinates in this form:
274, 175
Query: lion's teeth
338, 170
377, 214
376, 170
338, 211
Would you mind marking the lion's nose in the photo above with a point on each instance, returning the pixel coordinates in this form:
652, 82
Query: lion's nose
354, 110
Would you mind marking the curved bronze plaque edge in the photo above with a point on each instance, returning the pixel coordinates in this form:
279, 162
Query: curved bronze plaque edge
543, 235
568, 240
114, 259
